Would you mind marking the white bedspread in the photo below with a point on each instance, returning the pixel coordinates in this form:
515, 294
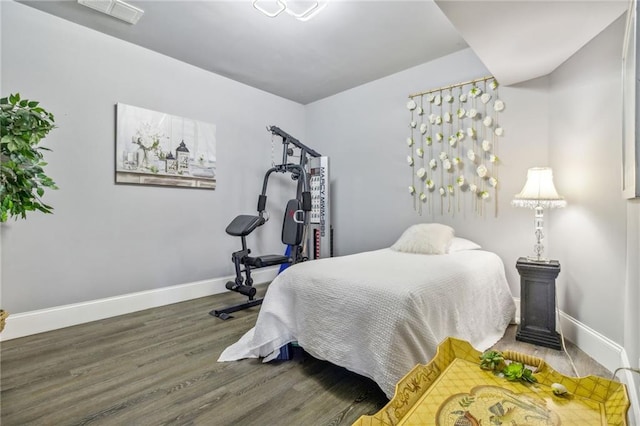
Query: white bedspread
380, 313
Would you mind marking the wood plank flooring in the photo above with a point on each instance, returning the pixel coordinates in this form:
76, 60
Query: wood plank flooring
158, 367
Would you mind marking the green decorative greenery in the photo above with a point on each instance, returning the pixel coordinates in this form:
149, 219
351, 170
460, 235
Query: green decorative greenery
23, 124
492, 360
514, 371
517, 371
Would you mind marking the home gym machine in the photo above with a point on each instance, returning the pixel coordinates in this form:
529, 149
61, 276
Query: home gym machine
306, 216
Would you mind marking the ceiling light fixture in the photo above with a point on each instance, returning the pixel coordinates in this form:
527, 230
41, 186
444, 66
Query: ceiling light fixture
301, 10
115, 8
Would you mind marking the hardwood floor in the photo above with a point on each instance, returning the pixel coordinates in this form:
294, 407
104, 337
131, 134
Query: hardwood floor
158, 367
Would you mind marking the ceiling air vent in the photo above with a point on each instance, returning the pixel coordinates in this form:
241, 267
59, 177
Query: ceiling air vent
116, 8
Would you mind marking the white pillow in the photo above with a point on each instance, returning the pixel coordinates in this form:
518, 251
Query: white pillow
461, 244
425, 238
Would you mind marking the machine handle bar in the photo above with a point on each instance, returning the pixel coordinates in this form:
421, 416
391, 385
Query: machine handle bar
287, 138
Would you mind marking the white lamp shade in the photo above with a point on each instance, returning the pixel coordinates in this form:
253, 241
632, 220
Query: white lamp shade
539, 190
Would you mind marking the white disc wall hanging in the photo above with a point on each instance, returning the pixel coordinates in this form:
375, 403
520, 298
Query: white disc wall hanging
454, 133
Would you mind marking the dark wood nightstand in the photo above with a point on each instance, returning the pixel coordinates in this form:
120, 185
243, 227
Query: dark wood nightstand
538, 302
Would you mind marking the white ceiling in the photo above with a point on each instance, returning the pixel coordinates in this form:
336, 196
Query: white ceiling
518, 40
349, 43
352, 42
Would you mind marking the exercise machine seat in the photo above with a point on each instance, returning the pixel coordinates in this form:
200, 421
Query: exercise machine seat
243, 225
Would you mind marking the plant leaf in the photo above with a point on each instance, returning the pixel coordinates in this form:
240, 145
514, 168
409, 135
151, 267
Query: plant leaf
23, 124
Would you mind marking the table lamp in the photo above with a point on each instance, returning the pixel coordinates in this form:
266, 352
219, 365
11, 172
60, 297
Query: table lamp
539, 193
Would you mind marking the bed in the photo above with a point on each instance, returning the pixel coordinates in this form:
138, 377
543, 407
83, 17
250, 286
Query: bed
379, 313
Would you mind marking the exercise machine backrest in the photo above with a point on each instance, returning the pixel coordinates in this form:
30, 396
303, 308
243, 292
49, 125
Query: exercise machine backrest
292, 226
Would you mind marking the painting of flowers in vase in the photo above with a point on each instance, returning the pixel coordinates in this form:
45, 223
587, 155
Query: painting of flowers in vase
155, 148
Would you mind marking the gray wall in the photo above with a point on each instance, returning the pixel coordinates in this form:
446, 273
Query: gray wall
569, 120
589, 236
364, 131
598, 235
632, 288
106, 239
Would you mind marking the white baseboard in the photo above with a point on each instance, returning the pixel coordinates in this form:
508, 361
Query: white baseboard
516, 319
597, 346
40, 321
608, 353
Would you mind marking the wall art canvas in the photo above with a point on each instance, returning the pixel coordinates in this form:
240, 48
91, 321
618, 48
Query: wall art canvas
155, 148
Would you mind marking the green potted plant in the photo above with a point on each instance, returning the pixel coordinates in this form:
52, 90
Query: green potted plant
23, 124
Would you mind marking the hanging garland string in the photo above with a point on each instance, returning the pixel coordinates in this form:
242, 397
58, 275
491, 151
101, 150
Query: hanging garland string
411, 105
477, 148
486, 144
420, 173
439, 138
451, 143
412, 161
462, 184
495, 157
431, 182
471, 116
